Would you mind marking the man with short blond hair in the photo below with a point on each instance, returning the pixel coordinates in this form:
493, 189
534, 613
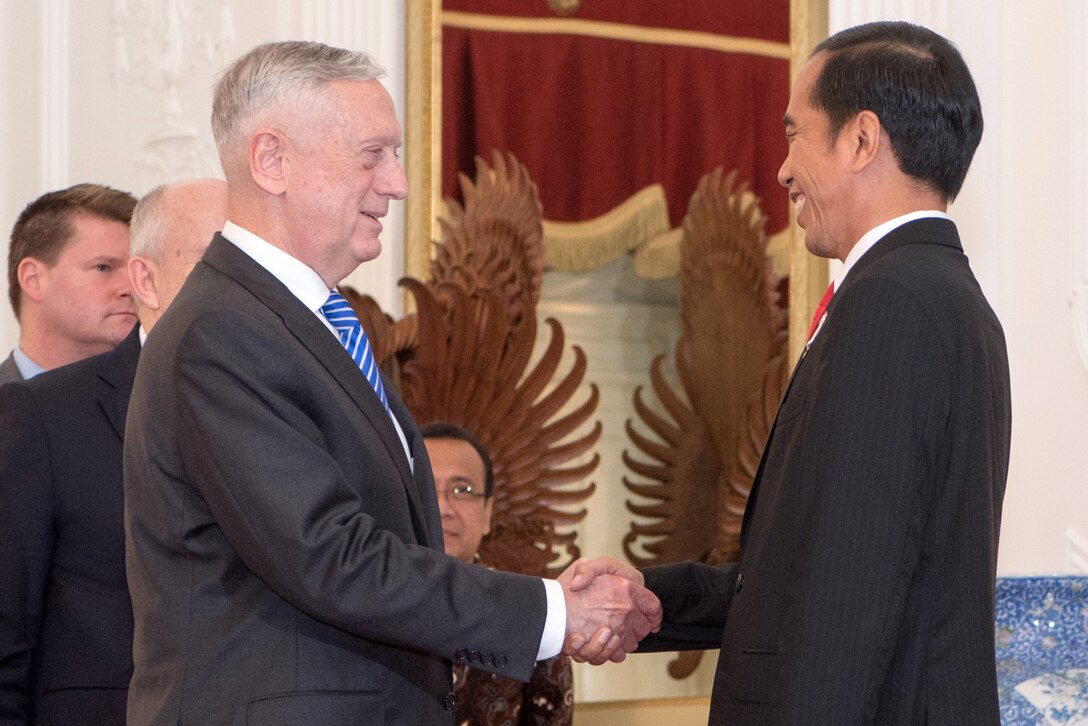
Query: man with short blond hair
67, 281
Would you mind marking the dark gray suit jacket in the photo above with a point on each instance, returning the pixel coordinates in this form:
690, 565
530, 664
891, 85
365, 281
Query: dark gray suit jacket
9, 372
284, 561
865, 591
65, 619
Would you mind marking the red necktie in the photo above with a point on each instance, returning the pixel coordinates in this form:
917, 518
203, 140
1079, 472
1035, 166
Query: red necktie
820, 310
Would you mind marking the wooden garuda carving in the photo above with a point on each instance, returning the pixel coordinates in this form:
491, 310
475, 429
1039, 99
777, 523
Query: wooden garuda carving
692, 474
465, 357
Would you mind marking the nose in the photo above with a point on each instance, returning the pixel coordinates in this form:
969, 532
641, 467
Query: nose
122, 281
444, 507
394, 183
784, 176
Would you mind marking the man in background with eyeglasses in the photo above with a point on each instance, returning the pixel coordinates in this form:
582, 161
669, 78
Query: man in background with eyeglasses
464, 483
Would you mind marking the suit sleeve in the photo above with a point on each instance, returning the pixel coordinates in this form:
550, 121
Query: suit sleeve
254, 438
26, 537
695, 600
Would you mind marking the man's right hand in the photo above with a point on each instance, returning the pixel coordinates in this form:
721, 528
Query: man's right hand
608, 610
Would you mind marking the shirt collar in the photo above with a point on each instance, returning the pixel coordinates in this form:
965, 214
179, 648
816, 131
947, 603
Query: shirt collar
27, 368
878, 233
301, 279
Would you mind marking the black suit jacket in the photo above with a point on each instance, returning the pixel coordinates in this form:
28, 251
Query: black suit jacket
284, 560
865, 590
65, 618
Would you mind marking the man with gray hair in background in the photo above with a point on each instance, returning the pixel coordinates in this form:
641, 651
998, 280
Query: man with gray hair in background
282, 530
65, 616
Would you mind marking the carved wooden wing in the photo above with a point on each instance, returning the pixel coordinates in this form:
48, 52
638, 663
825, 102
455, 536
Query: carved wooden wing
690, 496
494, 241
696, 471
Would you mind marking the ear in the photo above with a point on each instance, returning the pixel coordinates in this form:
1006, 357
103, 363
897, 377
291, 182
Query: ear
33, 277
865, 134
142, 276
487, 512
268, 161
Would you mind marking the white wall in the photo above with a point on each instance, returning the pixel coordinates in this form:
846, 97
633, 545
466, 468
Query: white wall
1023, 219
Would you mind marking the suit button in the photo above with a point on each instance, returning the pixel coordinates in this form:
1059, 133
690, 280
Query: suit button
500, 661
488, 659
451, 701
740, 582
474, 656
461, 654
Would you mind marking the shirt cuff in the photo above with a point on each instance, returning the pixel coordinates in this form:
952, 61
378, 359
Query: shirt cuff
555, 625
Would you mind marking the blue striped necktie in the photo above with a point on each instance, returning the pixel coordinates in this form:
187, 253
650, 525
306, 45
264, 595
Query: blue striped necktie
339, 313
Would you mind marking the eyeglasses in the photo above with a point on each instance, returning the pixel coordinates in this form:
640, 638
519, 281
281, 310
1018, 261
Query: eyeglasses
462, 493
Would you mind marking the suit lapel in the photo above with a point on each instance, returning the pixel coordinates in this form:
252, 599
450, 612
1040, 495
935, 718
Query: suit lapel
425, 516
320, 342
116, 373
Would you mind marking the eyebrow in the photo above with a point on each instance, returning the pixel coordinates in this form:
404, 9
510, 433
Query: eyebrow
395, 140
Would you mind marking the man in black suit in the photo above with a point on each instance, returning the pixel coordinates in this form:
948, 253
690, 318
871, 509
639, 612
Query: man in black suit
66, 278
283, 542
865, 589
65, 617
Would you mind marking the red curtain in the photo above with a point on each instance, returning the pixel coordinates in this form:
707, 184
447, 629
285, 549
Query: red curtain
598, 116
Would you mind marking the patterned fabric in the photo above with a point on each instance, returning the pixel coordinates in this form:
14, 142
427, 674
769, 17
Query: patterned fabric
1041, 641
340, 314
487, 699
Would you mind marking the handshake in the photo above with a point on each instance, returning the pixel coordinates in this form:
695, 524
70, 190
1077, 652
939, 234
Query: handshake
608, 610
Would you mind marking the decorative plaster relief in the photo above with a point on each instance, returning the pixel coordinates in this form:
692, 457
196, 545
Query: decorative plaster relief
158, 45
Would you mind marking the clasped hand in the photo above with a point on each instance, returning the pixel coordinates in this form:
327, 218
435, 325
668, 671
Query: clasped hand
608, 610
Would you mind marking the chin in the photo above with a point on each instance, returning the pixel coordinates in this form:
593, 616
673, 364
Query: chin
818, 247
368, 250
121, 331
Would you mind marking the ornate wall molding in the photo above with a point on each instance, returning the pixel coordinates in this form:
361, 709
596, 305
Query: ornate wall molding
1078, 171
54, 94
158, 46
